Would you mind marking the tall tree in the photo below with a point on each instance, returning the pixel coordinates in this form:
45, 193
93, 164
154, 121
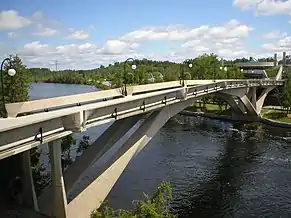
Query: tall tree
285, 98
16, 87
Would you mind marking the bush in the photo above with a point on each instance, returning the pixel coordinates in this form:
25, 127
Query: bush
156, 206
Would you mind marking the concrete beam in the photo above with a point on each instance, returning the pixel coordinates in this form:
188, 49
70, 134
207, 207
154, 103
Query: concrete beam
8, 138
98, 148
250, 108
232, 103
104, 142
29, 195
26, 107
132, 103
252, 95
59, 200
21, 130
280, 73
109, 173
261, 99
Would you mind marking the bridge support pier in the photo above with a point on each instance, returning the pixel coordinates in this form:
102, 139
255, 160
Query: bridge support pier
108, 173
59, 201
29, 196
244, 102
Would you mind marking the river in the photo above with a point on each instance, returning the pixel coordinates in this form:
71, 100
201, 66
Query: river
216, 168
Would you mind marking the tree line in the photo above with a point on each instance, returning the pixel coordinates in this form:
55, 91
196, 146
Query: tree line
206, 66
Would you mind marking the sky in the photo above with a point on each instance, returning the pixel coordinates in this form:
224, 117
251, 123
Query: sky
89, 33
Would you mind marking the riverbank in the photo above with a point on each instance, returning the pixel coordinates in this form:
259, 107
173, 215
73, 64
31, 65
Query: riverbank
269, 116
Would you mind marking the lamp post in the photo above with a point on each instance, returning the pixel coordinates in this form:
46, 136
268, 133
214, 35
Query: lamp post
133, 67
190, 65
152, 79
241, 71
161, 76
222, 68
11, 72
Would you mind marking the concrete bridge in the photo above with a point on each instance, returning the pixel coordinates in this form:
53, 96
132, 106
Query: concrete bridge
30, 124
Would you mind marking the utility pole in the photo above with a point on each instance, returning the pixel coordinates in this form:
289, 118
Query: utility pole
56, 65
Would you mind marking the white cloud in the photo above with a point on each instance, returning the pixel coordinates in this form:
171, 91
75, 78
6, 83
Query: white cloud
118, 47
179, 33
265, 7
44, 31
78, 34
275, 35
12, 35
279, 46
226, 40
10, 20
78, 56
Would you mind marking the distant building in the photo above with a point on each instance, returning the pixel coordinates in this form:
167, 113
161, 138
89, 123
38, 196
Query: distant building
255, 73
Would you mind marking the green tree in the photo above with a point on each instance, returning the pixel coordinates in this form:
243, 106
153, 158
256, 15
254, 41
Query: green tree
285, 97
156, 206
66, 145
16, 88
84, 144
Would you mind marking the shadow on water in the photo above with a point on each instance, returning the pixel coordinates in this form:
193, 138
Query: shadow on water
216, 196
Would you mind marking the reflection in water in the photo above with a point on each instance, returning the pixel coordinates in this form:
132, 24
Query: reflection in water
215, 197
217, 169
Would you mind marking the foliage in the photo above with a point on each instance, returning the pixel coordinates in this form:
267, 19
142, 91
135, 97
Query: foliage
156, 206
277, 115
38, 171
15, 88
84, 144
206, 66
285, 97
66, 144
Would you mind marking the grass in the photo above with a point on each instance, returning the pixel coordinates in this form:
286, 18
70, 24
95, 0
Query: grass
276, 115
210, 108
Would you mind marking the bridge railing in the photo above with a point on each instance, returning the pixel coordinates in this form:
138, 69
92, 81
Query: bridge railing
49, 104
20, 131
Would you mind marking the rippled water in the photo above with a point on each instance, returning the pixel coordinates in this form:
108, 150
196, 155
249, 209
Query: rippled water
217, 169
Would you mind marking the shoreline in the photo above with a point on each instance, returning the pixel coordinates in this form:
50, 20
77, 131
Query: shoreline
266, 121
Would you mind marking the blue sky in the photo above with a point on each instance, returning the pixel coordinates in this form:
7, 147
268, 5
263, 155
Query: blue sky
85, 34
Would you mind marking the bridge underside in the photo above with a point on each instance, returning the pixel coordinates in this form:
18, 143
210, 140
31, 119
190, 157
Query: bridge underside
246, 103
77, 196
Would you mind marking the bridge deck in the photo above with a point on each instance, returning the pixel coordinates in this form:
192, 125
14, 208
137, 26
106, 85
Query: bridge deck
18, 134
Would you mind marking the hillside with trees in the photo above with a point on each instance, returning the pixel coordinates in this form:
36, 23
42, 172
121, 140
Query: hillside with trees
206, 66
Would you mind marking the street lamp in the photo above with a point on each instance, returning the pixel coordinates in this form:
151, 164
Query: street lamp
133, 67
11, 72
161, 76
190, 65
152, 77
222, 68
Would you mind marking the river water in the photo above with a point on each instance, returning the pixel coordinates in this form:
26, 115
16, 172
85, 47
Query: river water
216, 168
